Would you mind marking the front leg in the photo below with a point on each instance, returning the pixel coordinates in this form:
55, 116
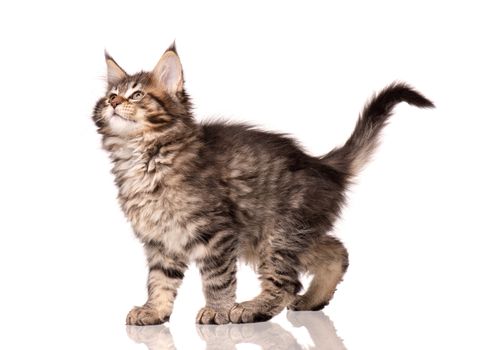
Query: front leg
218, 271
166, 272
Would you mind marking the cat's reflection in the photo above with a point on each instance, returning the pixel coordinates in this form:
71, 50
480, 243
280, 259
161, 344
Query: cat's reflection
154, 337
320, 328
267, 335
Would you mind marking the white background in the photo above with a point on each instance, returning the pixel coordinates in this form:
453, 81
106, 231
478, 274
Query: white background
416, 224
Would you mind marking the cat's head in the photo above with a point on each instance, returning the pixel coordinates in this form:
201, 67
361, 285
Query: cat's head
144, 102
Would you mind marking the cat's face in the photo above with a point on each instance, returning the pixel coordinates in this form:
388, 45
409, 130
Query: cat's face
145, 102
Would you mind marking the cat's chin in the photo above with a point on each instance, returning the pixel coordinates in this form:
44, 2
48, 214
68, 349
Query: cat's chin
123, 126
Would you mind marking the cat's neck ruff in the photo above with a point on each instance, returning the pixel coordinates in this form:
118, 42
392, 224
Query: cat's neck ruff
148, 173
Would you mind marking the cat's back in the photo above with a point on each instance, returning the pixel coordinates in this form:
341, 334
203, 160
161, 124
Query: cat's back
244, 152
234, 139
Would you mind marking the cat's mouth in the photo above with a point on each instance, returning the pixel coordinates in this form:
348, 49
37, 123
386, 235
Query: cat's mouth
123, 118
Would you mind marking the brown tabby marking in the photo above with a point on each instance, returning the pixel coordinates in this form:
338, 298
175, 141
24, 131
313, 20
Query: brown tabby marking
214, 193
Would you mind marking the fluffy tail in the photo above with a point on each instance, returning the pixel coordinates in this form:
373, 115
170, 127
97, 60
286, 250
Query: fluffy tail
354, 154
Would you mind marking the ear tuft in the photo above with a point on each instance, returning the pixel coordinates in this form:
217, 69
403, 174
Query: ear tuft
168, 71
114, 72
107, 56
172, 48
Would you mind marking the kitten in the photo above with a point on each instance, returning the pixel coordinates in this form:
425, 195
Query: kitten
217, 192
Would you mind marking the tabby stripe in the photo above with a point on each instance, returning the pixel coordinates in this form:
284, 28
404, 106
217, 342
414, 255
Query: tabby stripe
221, 271
202, 237
160, 102
297, 287
181, 265
219, 287
294, 285
275, 282
154, 289
286, 255
167, 289
224, 240
154, 244
211, 263
283, 273
228, 250
169, 272
156, 119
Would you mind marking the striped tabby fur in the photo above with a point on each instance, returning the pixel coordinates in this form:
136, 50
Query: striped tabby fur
217, 192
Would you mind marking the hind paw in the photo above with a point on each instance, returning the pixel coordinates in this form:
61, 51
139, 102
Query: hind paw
304, 304
248, 312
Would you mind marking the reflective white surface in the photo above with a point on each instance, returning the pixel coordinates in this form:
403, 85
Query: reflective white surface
416, 223
266, 335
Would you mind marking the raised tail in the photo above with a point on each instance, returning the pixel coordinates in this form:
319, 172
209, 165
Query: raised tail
355, 153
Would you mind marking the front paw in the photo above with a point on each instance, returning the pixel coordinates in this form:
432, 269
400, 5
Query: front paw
208, 315
144, 316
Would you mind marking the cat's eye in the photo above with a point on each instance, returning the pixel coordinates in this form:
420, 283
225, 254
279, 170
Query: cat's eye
137, 95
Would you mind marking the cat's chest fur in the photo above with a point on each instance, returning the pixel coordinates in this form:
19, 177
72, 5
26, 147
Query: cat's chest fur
153, 196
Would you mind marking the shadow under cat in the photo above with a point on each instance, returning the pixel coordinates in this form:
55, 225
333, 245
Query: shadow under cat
267, 335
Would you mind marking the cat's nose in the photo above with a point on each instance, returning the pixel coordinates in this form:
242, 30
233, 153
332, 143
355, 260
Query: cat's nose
116, 101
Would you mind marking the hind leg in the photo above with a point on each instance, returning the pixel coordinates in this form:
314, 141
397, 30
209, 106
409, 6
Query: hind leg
280, 283
327, 262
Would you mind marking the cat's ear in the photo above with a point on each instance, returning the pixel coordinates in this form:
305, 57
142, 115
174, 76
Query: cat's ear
114, 72
168, 72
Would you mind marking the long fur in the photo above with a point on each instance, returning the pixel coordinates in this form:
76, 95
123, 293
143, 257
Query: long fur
217, 192
356, 152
